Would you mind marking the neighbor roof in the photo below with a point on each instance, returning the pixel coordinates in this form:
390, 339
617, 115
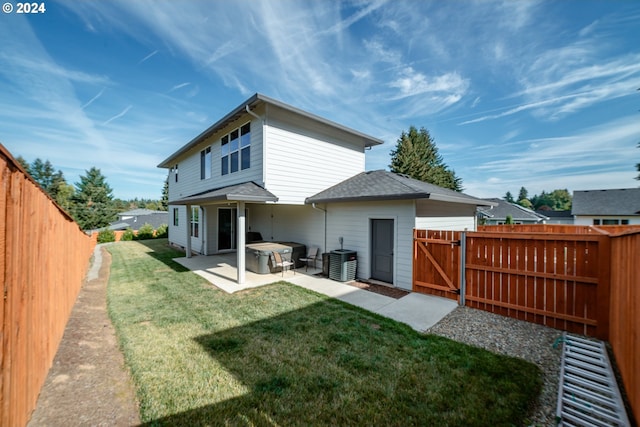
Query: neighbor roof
625, 201
247, 192
385, 185
137, 212
252, 103
155, 219
504, 209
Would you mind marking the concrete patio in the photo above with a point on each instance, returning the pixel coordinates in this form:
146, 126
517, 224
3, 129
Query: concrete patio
416, 310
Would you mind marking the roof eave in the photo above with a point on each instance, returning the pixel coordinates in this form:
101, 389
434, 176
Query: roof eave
466, 200
411, 196
369, 141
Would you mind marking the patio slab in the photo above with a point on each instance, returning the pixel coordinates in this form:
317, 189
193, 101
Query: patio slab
419, 311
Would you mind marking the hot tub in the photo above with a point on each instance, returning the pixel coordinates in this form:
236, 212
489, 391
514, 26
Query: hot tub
259, 257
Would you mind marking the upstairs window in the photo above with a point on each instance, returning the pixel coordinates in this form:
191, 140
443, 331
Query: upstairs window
245, 146
235, 150
205, 163
175, 172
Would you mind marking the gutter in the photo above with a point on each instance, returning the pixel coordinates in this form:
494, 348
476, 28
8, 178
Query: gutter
313, 205
264, 141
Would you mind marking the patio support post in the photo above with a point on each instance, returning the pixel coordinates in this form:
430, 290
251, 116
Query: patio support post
240, 249
188, 221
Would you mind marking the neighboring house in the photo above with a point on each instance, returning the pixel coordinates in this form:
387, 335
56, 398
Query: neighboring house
136, 218
497, 215
606, 207
264, 168
557, 217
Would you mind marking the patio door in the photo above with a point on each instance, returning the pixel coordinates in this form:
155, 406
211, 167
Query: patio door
382, 250
227, 225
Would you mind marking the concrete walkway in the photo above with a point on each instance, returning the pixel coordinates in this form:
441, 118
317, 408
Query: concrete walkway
416, 310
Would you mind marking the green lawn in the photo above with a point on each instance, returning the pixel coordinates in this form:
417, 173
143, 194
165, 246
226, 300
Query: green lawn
282, 355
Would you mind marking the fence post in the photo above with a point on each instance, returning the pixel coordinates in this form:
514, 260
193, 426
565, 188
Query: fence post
463, 263
604, 287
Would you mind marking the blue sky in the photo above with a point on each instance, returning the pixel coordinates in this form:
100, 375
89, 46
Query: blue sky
515, 93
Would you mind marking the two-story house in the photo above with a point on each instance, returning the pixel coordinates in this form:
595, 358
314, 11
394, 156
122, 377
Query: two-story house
289, 175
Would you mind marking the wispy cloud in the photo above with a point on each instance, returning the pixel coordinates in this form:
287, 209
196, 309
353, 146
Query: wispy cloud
179, 86
92, 100
119, 115
149, 56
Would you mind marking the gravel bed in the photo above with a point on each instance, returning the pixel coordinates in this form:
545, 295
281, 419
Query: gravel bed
511, 337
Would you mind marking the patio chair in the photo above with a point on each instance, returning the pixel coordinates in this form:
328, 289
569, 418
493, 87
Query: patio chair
283, 263
312, 255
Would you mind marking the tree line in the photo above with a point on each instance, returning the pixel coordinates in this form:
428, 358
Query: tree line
557, 200
90, 201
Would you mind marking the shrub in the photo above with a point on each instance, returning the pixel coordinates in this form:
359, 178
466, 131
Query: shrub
105, 235
162, 231
127, 235
145, 232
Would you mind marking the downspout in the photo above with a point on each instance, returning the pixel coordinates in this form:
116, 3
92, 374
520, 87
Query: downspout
264, 148
313, 205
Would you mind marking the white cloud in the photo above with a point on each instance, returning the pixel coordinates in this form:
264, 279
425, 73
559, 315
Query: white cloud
411, 83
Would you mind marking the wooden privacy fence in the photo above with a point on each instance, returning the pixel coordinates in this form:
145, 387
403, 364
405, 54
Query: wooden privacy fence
43, 260
579, 279
624, 321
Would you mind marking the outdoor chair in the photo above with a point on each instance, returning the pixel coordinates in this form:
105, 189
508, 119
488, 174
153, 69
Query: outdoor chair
283, 263
312, 255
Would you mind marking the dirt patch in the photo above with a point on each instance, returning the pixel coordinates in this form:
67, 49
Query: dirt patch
88, 383
379, 289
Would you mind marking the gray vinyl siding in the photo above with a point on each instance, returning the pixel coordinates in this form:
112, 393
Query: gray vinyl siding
352, 221
304, 157
289, 223
189, 181
178, 235
436, 215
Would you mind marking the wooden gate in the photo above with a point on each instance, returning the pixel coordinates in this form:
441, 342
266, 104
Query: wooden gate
436, 263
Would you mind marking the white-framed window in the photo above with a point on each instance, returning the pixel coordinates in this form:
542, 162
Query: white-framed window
176, 217
175, 172
610, 221
205, 163
195, 221
235, 150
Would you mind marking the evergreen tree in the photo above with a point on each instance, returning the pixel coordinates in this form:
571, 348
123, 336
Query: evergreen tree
638, 166
42, 173
523, 194
508, 197
416, 155
93, 201
164, 202
23, 163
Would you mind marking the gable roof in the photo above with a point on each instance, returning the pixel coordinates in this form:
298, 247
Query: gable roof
385, 185
625, 201
502, 209
247, 192
252, 103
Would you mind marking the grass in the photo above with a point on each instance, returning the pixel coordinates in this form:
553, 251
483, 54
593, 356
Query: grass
282, 355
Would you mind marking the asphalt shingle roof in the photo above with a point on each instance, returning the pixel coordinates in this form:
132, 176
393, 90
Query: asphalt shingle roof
156, 219
624, 201
385, 185
517, 212
247, 191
